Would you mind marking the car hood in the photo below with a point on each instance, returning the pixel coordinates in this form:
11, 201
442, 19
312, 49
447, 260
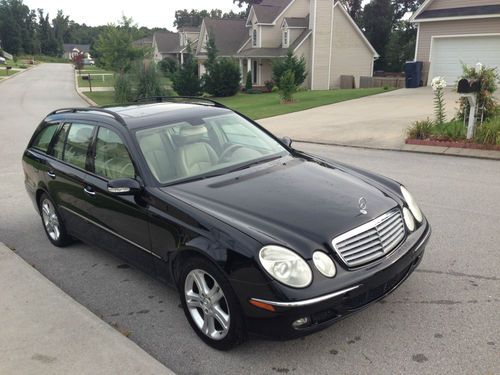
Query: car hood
294, 202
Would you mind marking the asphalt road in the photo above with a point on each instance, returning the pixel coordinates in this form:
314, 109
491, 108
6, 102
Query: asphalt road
443, 319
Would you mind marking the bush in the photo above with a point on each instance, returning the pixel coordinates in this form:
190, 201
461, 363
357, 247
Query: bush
223, 78
287, 86
420, 129
489, 132
290, 62
453, 130
486, 101
185, 80
269, 85
148, 80
248, 83
123, 89
168, 66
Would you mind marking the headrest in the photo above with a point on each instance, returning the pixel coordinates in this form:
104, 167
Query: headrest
191, 134
83, 135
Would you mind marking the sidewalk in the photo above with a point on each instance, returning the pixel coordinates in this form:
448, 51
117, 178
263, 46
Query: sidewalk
44, 331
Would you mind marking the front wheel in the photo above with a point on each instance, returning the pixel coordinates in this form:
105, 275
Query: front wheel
210, 305
52, 222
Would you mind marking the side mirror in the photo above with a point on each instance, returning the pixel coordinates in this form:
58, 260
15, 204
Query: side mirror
124, 186
287, 141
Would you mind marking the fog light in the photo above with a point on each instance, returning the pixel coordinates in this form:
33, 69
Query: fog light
409, 220
301, 323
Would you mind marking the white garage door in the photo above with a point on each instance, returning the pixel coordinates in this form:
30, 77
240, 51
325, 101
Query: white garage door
447, 54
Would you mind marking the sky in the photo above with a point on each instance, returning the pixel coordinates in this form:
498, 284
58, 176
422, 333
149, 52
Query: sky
148, 13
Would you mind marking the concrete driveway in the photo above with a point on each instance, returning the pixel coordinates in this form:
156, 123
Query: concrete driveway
378, 121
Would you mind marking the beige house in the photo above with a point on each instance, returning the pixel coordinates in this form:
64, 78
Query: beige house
452, 32
319, 30
174, 45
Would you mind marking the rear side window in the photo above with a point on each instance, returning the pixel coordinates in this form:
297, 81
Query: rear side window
43, 138
77, 144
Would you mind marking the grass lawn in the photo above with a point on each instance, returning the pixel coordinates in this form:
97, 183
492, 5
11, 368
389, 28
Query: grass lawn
257, 106
98, 80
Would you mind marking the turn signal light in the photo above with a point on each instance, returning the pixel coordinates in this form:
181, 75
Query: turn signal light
262, 305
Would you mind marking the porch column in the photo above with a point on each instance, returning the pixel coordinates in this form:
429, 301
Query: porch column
241, 71
182, 58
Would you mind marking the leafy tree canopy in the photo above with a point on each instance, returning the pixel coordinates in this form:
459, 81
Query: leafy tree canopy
195, 17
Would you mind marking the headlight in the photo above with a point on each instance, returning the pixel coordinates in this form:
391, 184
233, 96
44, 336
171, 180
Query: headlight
324, 264
409, 221
412, 204
285, 266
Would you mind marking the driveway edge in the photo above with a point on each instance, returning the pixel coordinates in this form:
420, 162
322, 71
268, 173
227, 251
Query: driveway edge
82, 95
417, 149
47, 331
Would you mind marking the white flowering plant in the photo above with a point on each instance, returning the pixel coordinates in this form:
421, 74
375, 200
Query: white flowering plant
438, 85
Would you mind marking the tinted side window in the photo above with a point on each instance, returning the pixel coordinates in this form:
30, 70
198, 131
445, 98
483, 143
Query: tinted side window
112, 159
58, 148
43, 138
77, 144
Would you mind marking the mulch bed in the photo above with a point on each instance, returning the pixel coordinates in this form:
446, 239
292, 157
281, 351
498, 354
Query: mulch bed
456, 144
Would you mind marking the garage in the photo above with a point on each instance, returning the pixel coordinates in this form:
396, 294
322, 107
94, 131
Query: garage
448, 53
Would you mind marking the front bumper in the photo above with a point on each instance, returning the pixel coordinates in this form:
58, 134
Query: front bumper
328, 308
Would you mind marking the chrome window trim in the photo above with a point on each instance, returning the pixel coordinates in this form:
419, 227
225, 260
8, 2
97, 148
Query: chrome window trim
111, 232
307, 301
362, 229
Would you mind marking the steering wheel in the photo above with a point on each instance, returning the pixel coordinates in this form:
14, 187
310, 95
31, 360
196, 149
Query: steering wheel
229, 151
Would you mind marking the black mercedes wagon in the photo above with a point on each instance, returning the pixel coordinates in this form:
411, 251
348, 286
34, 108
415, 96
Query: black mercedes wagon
256, 236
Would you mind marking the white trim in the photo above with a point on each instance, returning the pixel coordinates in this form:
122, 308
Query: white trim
420, 9
417, 42
250, 14
283, 23
331, 42
244, 44
260, 37
287, 33
358, 30
303, 40
431, 72
313, 45
458, 18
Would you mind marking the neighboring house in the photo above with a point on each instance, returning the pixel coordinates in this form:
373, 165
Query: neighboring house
146, 42
174, 45
70, 50
452, 32
319, 30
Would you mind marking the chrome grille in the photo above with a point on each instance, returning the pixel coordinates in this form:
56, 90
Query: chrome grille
372, 240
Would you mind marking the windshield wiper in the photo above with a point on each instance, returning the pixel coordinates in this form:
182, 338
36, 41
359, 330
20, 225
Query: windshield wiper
246, 166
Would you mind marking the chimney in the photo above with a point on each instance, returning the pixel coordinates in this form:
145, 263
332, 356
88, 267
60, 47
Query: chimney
321, 24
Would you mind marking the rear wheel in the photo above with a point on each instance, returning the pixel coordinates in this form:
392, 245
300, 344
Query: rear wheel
52, 222
210, 305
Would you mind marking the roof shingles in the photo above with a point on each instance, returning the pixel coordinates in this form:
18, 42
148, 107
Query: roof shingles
480, 10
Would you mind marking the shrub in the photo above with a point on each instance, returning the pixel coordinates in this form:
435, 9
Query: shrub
290, 62
287, 86
489, 132
223, 78
486, 101
269, 85
453, 130
148, 80
168, 66
123, 89
248, 83
421, 129
185, 80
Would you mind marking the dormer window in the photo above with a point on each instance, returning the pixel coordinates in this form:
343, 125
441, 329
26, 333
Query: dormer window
286, 37
254, 37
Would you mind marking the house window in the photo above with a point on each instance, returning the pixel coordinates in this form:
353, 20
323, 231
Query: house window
254, 37
285, 38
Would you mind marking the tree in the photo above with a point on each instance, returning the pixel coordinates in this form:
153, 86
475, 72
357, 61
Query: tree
185, 80
248, 83
354, 8
48, 42
60, 25
290, 62
195, 17
148, 81
400, 47
17, 27
248, 2
168, 66
114, 46
377, 22
287, 86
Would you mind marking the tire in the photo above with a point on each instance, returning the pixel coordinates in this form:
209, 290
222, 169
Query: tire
52, 222
210, 305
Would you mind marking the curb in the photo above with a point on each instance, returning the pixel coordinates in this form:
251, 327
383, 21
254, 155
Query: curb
82, 95
414, 149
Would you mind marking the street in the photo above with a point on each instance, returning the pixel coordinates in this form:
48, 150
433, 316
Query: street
443, 319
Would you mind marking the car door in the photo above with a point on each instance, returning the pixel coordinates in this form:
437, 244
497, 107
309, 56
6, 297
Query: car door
121, 222
66, 175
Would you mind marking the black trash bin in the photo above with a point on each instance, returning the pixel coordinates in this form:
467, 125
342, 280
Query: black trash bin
413, 74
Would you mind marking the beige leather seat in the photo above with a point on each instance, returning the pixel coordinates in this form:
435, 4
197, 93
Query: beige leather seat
159, 162
194, 156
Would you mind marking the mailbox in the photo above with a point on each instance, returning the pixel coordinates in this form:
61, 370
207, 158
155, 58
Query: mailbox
8, 67
469, 86
86, 77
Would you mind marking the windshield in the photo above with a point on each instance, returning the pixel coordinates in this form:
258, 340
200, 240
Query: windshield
203, 147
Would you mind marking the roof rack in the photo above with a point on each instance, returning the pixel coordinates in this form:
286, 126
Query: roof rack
115, 115
188, 99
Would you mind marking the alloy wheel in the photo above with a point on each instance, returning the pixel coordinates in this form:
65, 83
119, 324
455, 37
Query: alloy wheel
50, 220
207, 304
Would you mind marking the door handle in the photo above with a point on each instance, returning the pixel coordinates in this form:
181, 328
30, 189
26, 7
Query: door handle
88, 190
51, 174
